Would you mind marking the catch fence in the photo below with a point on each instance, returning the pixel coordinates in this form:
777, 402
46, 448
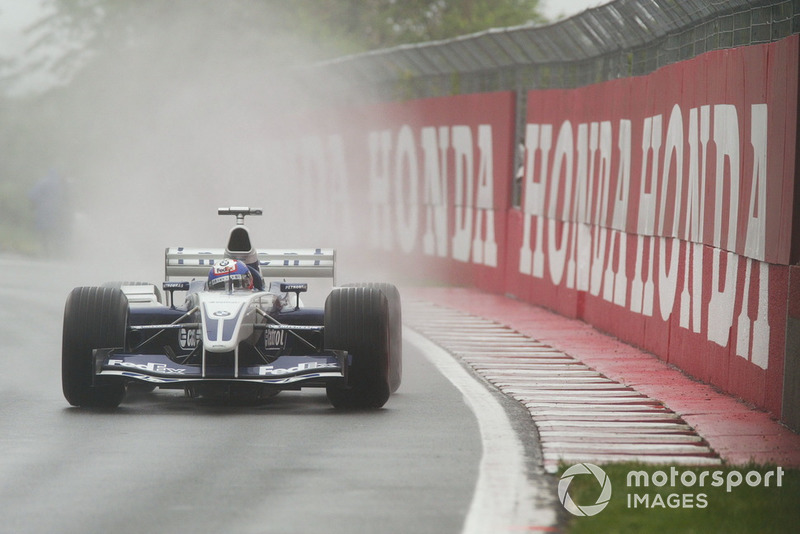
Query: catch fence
619, 39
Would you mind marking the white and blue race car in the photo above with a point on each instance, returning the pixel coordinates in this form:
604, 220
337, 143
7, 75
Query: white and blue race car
242, 331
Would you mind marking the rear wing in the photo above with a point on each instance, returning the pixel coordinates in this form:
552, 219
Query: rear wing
183, 262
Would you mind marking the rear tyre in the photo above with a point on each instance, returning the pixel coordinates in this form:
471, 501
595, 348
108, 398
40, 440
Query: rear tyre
119, 285
357, 321
395, 330
94, 317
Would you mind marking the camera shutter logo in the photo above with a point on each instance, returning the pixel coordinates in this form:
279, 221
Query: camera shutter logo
584, 469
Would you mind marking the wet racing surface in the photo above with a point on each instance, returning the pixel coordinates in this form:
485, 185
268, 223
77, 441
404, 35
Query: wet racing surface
164, 462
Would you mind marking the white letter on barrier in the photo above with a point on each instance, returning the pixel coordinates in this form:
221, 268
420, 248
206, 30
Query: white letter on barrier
692, 303
484, 250
755, 244
406, 171
557, 254
667, 277
619, 280
720, 308
435, 190
674, 143
583, 181
726, 137
538, 138
462, 237
620, 219
698, 154
651, 142
759, 334
603, 172
642, 289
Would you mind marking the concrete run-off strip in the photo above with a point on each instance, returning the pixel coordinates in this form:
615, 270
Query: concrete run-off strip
534, 373
588, 405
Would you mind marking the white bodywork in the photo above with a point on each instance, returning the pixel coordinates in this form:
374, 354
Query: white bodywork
227, 318
182, 262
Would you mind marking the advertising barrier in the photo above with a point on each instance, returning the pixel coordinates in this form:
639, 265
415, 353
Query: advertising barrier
424, 182
658, 208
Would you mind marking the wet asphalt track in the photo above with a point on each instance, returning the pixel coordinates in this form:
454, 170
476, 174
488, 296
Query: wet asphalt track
165, 463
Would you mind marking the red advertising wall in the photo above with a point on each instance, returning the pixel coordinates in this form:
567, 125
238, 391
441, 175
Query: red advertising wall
659, 209
424, 183
440, 167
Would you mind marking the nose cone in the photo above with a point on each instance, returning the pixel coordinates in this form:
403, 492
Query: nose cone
222, 319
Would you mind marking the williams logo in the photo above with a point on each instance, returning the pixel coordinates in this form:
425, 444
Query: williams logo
585, 509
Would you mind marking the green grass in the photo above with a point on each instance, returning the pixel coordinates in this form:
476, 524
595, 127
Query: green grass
708, 509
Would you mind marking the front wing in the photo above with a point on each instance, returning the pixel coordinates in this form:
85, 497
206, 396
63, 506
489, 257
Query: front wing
159, 369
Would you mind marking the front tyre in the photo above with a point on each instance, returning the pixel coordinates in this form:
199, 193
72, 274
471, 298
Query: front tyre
395, 330
94, 317
357, 321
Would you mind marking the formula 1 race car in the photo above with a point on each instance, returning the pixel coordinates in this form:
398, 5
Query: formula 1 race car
242, 331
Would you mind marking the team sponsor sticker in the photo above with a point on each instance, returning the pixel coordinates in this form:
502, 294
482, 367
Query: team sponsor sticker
150, 366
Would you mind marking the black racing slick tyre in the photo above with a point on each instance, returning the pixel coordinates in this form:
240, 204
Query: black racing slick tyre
94, 317
395, 330
357, 321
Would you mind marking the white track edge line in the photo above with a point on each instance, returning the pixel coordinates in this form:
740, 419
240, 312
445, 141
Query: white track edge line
504, 497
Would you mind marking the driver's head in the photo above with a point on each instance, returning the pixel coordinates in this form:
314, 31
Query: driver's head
230, 274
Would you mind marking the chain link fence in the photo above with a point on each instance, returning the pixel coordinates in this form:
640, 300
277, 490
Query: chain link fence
620, 39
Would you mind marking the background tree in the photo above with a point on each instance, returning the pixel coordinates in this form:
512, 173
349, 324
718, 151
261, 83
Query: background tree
360, 25
73, 32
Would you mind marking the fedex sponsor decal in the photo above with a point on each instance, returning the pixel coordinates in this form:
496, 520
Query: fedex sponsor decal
269, 370
150, 366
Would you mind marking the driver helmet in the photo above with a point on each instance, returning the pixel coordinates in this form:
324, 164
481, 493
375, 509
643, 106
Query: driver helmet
228, 273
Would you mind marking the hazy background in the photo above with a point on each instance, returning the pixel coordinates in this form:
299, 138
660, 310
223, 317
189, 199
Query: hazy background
139, 118
170, 113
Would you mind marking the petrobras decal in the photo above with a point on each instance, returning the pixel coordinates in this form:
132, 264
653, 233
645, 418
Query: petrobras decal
270, 370
293, 287
159, 368
175, 286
